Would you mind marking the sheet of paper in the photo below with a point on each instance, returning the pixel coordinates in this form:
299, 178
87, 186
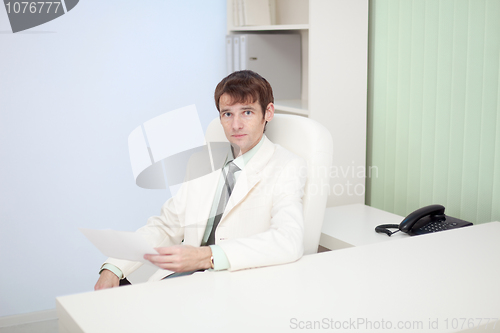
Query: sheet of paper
120, 244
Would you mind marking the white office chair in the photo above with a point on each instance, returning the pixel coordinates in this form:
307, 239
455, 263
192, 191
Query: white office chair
312, 141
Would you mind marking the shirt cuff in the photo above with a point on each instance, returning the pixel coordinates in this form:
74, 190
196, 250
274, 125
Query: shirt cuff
220, 258
115, 270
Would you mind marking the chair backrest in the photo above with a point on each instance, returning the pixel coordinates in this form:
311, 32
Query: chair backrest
312, 141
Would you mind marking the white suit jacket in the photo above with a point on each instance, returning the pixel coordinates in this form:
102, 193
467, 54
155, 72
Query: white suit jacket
262, 224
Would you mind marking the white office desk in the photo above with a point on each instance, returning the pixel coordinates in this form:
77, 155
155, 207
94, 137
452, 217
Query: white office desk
432, 280
354, 225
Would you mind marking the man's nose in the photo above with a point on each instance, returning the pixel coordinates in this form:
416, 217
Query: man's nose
237, 123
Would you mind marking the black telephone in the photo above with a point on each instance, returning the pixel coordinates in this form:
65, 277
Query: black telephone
423, 221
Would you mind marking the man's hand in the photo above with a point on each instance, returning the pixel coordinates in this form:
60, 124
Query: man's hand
107, 280
181, 258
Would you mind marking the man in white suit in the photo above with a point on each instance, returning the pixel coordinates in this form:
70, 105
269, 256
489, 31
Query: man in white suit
249, 214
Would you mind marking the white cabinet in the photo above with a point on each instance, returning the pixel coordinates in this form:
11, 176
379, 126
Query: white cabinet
334, 37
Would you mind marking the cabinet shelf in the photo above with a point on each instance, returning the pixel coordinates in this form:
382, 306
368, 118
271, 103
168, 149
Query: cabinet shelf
295, 106
276, 27
334, 58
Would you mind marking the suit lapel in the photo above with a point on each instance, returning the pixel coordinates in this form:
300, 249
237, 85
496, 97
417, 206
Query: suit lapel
250, 176
200, 190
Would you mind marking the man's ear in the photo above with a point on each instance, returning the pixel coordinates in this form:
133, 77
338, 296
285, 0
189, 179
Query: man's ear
269, 112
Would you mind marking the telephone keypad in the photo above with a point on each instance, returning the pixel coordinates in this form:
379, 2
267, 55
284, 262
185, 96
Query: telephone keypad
437, 226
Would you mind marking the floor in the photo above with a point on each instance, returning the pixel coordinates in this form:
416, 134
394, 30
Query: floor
49, 326
322, 249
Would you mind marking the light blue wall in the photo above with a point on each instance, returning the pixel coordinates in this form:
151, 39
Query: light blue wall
71, 91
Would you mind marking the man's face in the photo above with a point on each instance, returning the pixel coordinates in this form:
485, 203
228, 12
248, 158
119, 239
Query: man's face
243, 123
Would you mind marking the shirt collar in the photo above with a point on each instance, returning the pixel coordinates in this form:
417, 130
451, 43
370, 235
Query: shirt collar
243, 160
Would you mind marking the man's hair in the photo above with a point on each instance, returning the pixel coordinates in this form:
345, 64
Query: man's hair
245, 87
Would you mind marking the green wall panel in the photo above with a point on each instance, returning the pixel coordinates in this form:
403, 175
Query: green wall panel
433, 106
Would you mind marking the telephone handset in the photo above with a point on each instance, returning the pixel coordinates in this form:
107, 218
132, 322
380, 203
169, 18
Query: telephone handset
423, 221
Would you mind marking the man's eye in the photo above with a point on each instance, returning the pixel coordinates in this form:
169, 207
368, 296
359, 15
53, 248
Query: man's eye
227, 114
247, 113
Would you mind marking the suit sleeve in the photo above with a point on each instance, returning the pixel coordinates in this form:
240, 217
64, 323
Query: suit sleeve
283, 241
163, 230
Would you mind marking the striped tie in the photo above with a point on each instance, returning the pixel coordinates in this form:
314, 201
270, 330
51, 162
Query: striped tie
224, 198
